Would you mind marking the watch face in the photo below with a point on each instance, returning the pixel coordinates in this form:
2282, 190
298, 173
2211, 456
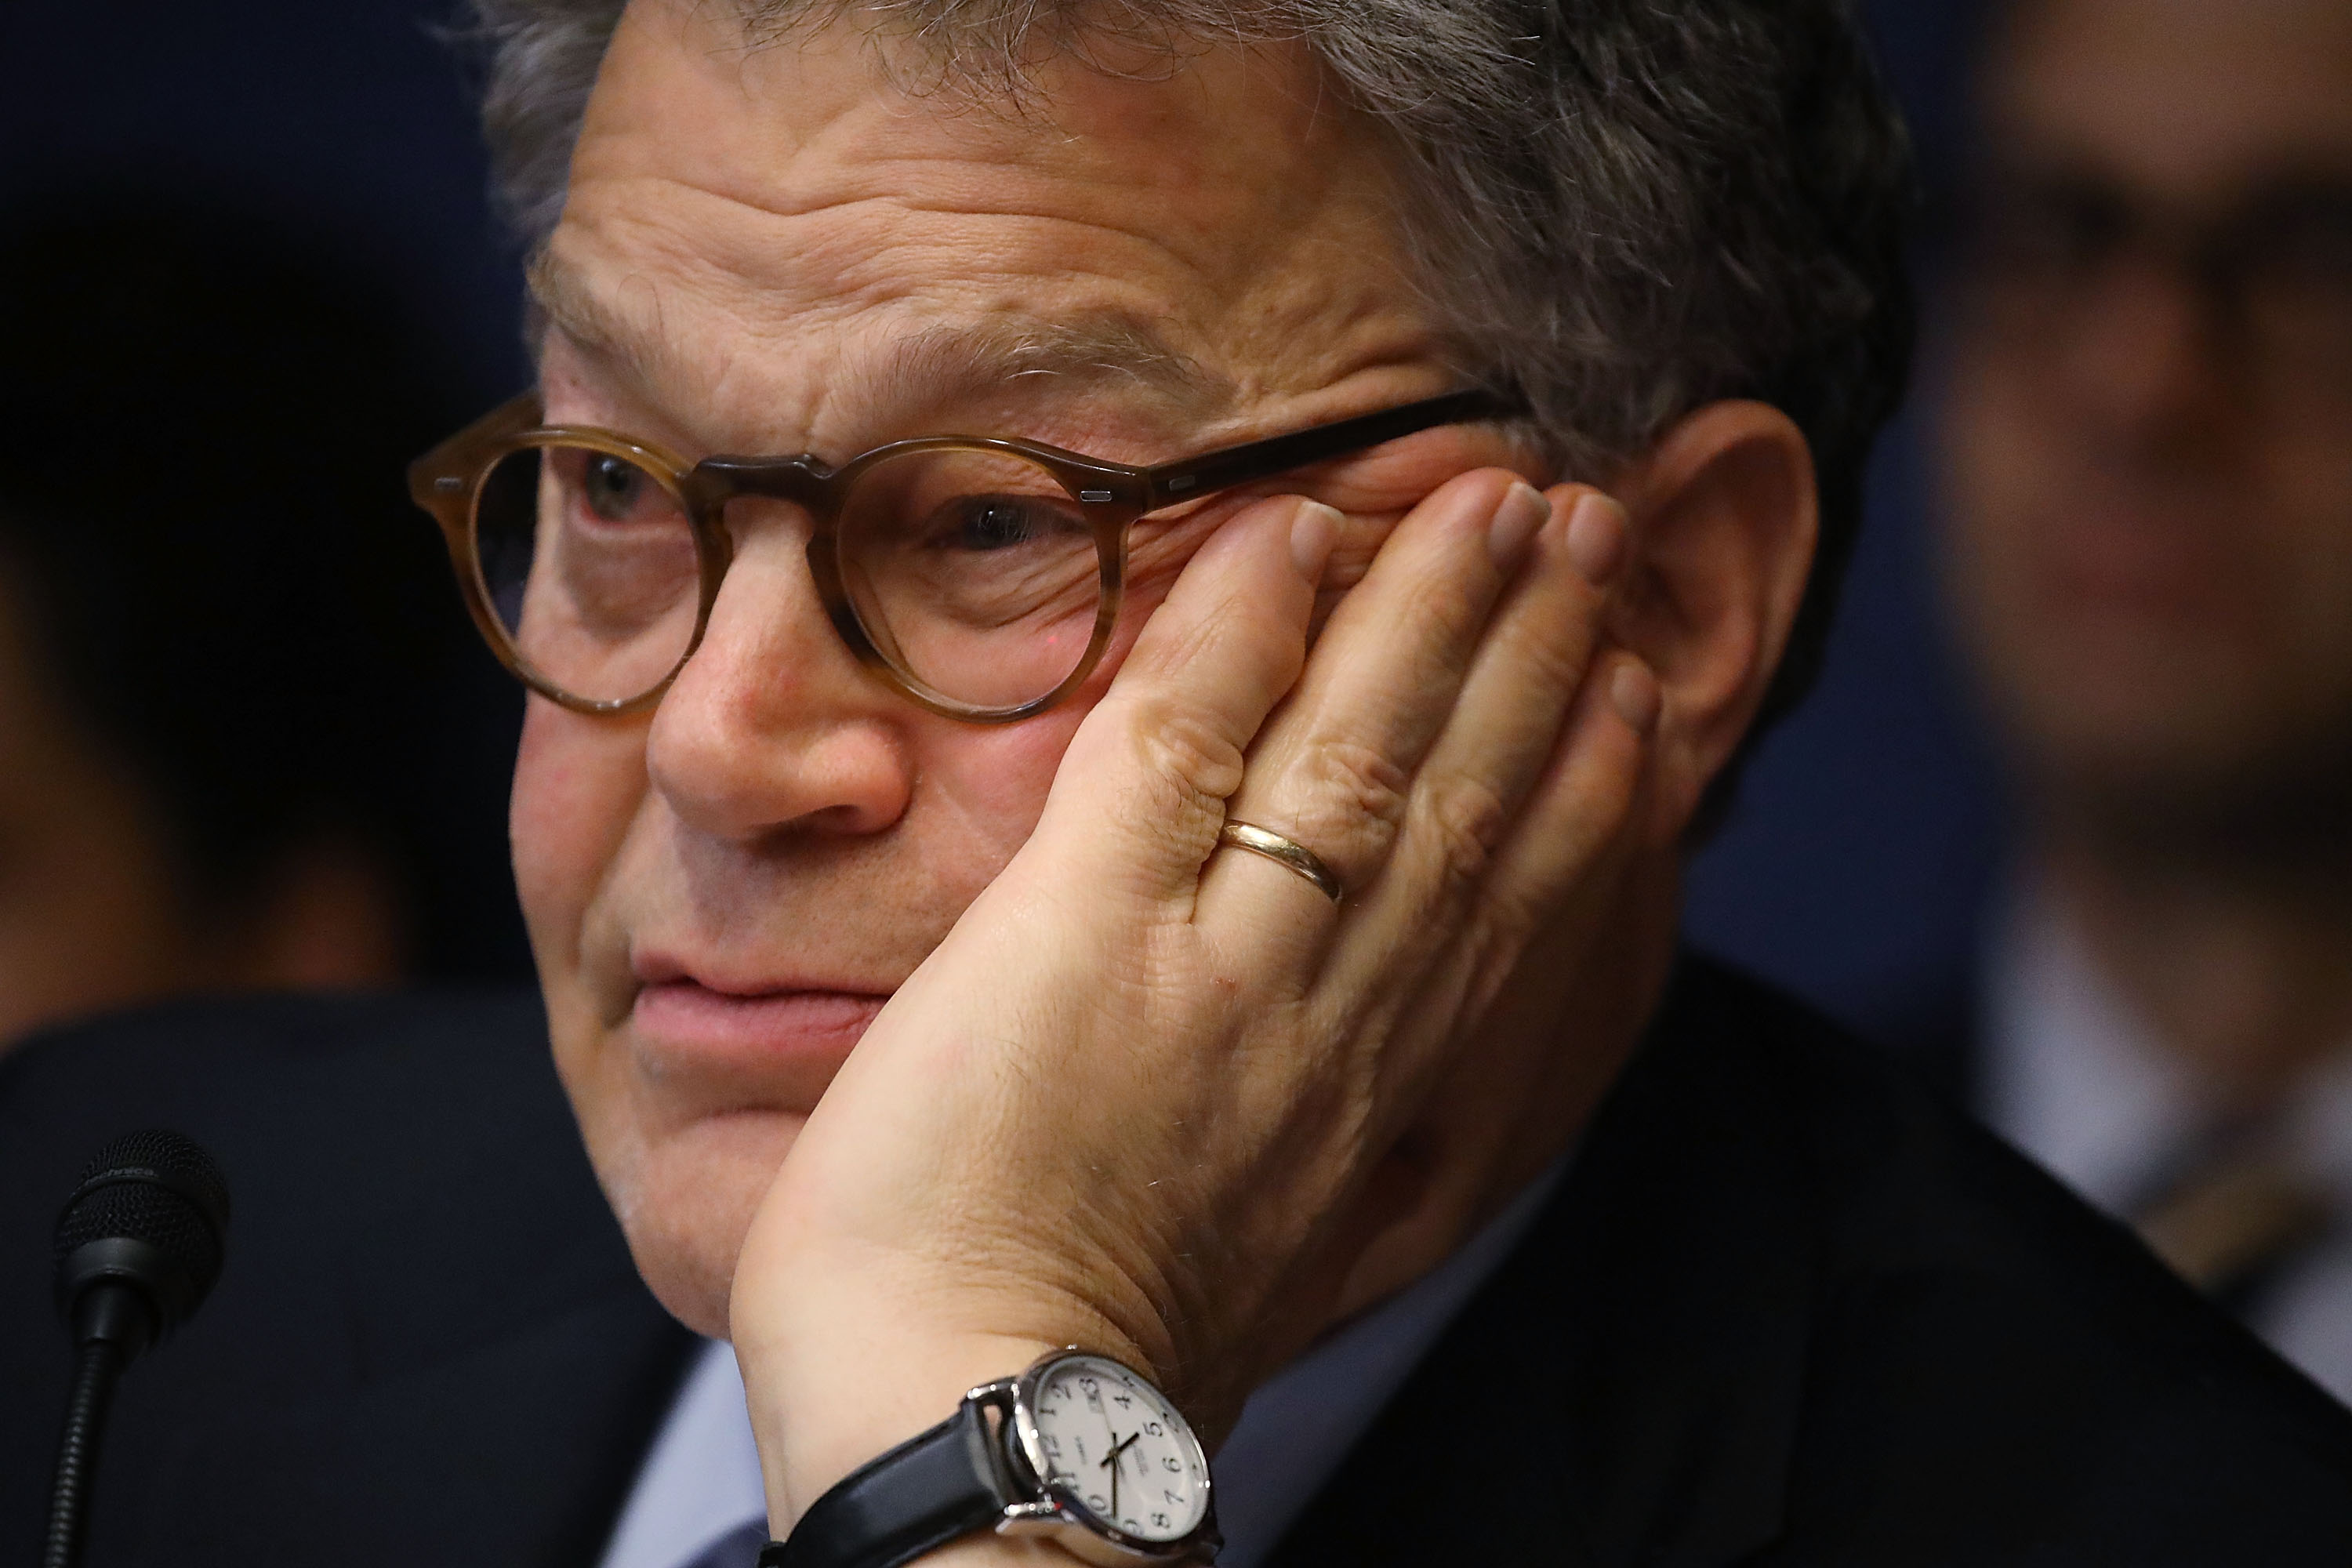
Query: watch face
1113, 1447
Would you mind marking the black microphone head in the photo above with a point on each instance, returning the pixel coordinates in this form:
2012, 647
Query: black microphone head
151, 1213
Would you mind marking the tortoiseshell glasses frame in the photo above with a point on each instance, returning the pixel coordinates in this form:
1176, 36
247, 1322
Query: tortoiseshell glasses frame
448, 482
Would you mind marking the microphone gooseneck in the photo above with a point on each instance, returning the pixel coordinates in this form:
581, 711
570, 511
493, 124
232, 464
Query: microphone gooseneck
138, 1247
96, 1367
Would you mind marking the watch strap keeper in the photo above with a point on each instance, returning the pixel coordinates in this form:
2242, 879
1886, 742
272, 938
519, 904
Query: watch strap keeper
931, 1490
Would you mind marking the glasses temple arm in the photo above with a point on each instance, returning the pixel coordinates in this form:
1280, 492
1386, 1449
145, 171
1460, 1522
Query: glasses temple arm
1231, 466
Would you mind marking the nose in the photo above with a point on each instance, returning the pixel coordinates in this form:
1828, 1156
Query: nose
772, 727
2145, 361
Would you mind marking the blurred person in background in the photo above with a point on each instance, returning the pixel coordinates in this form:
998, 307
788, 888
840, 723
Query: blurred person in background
218, 636
2146, 432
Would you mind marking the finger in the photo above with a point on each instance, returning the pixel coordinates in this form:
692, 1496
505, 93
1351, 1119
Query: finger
1506, 724
1140, 794
1560, 864
1334, 769
1589, 796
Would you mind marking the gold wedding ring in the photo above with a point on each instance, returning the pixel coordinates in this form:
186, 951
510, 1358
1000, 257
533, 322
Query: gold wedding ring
1287, 852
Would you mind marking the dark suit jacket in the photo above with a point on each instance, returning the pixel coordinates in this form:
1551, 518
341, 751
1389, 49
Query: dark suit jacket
1791, 1309
429, 1346
1785, 1310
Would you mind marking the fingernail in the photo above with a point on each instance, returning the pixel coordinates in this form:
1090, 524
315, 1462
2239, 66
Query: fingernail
1523, 511
1596, 539
1633, 692
1313, 532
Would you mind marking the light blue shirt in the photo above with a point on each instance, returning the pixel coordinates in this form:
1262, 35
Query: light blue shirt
702, 1479
2076, 1080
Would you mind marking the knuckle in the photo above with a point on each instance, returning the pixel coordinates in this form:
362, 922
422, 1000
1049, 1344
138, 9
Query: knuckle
1464, 821
1345, 800
1190, 764
1358, 782
1509, 910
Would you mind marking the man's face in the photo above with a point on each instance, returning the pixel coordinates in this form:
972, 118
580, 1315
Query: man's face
778, 251
2150, 544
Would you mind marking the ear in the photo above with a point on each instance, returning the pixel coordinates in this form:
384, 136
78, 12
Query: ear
1724, 517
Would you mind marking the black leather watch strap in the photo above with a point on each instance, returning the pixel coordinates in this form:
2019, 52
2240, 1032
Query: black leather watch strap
919, 1496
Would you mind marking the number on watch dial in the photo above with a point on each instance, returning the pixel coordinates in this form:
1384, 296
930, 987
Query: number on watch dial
1118, 1449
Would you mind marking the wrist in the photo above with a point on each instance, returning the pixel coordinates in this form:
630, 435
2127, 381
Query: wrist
847, 1350
1076, 1450
838, 1371
833, 1404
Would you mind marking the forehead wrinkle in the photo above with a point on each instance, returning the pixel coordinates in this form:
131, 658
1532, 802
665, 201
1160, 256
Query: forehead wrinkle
947, 363
938, 365
600, 327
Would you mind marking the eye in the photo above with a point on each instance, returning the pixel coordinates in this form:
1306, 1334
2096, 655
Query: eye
613, 488
2304, 241
999, 522
2053, 227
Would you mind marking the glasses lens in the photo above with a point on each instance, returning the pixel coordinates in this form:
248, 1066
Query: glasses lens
974, 571
590, 564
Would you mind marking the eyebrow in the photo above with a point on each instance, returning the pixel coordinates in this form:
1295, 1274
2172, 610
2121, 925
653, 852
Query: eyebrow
941, 364
1094, 349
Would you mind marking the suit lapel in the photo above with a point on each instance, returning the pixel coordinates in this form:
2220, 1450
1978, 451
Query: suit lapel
1625, 1388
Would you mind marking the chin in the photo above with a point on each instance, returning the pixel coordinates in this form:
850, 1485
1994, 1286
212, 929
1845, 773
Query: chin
685, 1197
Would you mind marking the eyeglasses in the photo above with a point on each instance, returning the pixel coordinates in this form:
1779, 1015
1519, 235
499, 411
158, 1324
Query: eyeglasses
980, 577
2272, 276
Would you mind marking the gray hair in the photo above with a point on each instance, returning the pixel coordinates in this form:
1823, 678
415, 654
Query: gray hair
1620, 210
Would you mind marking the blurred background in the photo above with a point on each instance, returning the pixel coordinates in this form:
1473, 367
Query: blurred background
2069, 819
246, 737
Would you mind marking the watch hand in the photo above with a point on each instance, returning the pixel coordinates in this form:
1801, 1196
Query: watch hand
1112, 1459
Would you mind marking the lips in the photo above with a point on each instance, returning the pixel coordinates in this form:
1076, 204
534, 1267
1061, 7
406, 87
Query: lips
790, 1040
2130, 564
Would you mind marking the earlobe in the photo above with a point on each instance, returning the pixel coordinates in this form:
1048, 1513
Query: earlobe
1724, 518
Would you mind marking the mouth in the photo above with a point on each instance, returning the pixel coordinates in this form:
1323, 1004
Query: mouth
2107, 565
787, 1041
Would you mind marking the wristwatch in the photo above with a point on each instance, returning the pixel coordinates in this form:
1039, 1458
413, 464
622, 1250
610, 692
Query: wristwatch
1078, 1448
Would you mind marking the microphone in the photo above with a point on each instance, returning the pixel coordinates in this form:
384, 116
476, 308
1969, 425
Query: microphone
138, 1247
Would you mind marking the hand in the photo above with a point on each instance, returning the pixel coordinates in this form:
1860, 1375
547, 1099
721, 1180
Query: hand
1144, 1097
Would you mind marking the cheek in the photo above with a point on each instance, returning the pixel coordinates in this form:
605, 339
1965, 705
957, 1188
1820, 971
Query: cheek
2306, 486
982, 789
1987, 431
1993, 468
2306, 564
993, 781
578, 783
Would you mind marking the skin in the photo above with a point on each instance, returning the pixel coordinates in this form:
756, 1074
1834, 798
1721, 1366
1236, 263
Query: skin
2149, 546
93, 912
1257, 1113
